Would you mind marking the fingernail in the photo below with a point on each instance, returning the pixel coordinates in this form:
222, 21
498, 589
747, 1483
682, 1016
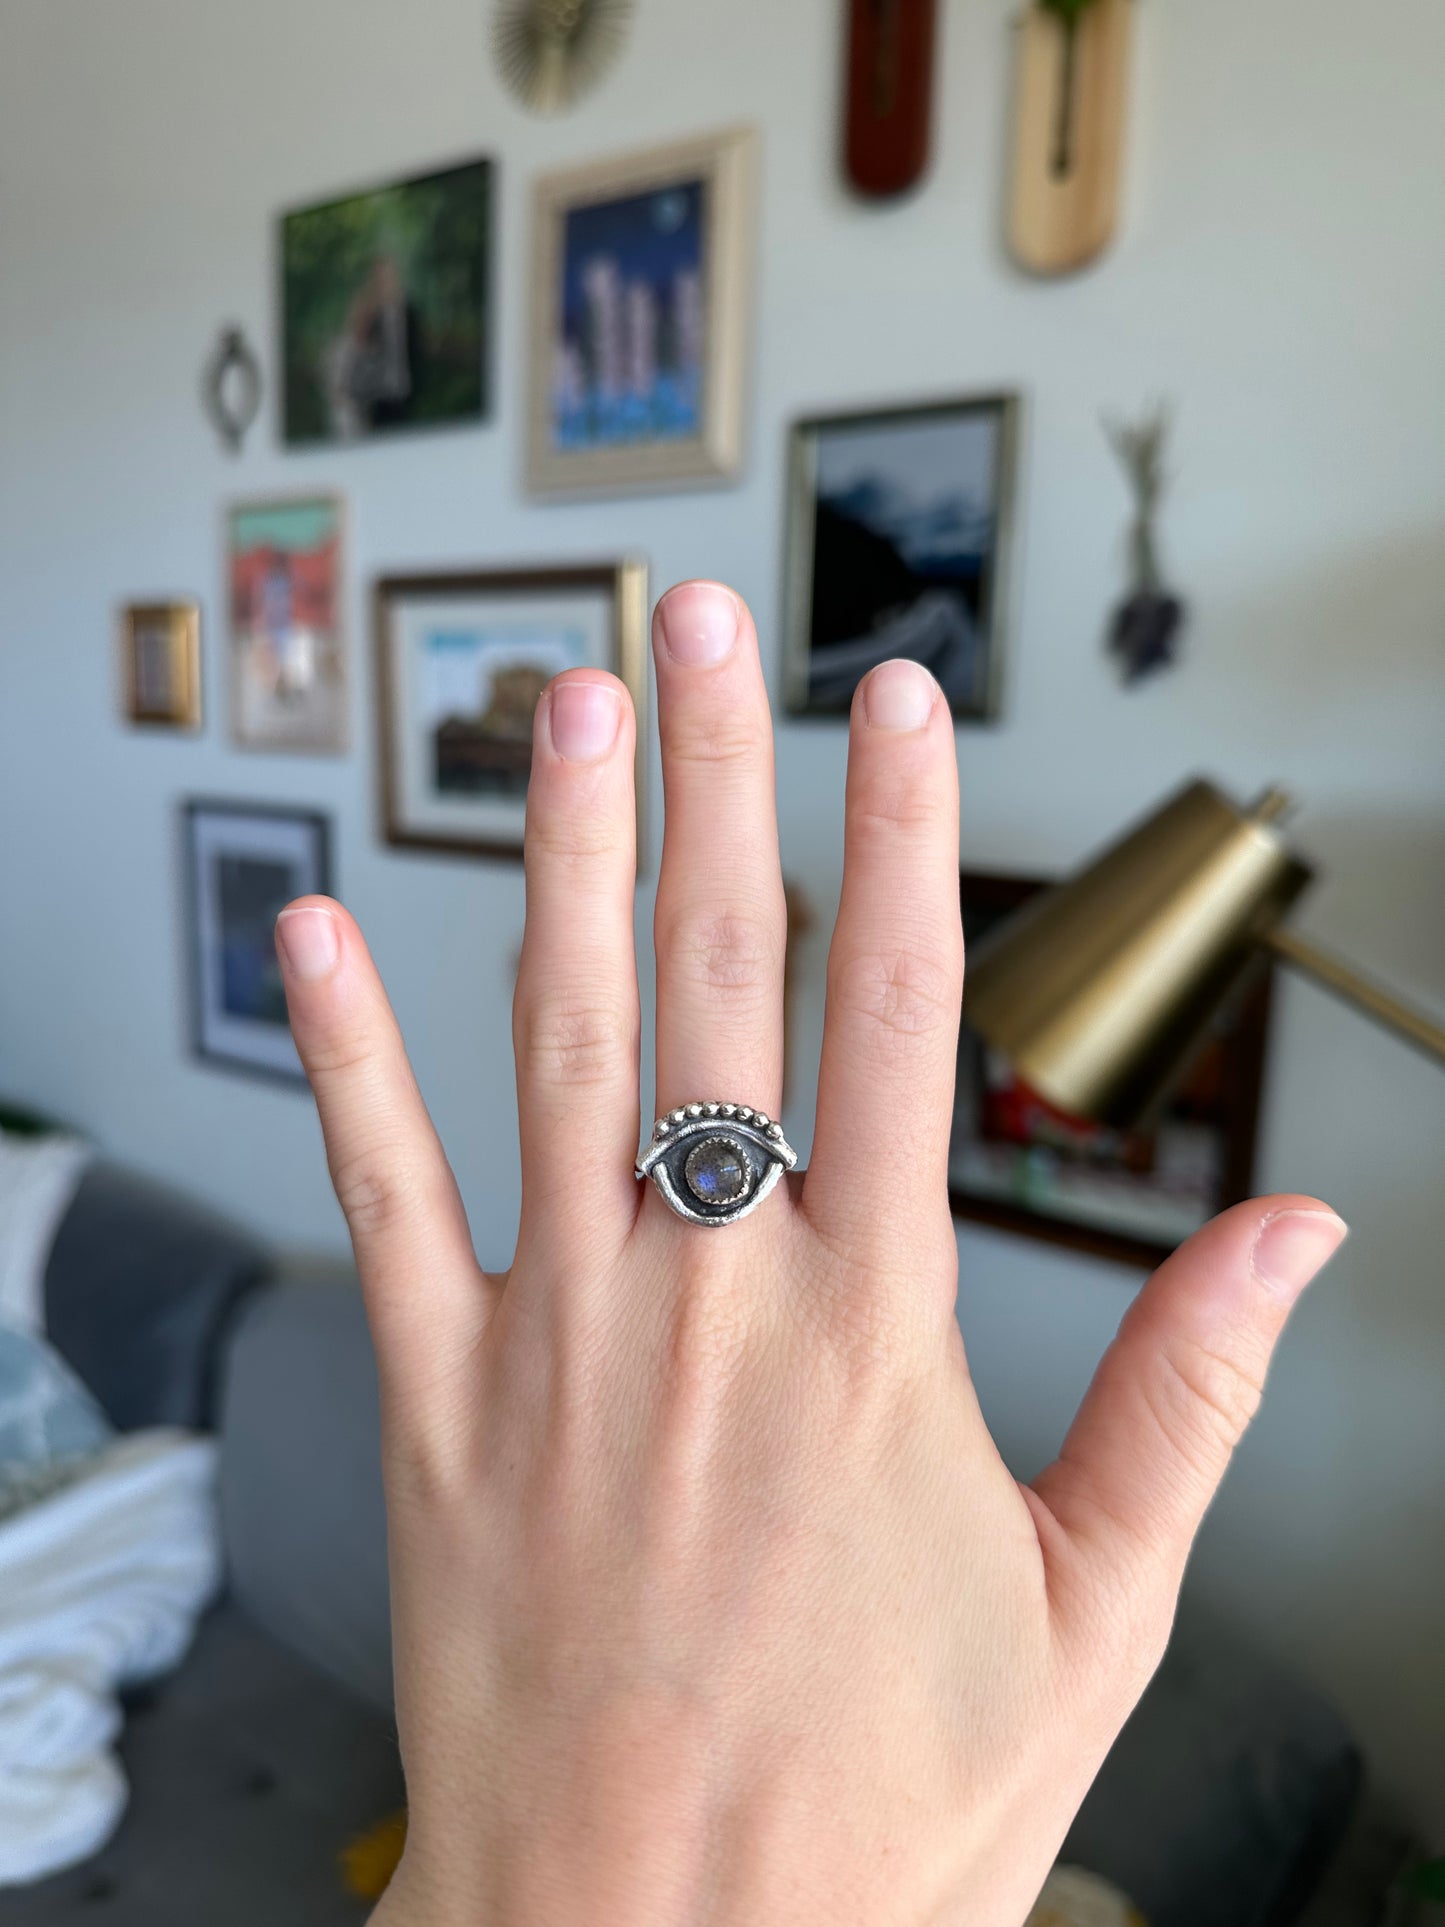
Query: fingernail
699, 623
1293, 1245
308, 941
584, 719
898, 695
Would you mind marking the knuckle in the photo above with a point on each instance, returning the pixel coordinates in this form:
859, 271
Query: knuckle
724, 950
577, 1041
886, 808
379, 1195
572, 836
340, 1056
714, 735
905, 995
1204, 1400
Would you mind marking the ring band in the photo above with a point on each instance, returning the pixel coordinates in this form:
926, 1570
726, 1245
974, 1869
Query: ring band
714, 1163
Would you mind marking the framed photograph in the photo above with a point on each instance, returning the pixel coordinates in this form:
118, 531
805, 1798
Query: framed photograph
899, 524
160, 646
461, 661
244, 862
288, 660
1016, 1162
641, 302
385, 308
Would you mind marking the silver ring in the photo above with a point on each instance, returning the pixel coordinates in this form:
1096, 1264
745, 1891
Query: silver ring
714, 1163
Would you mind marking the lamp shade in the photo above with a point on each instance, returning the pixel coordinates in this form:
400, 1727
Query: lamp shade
1100, 991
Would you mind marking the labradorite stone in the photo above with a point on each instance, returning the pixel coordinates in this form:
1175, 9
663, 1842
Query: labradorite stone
717, 1172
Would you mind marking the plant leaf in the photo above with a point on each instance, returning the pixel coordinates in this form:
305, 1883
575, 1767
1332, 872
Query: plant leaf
1071, 12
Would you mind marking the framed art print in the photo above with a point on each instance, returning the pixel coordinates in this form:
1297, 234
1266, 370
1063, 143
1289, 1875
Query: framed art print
461, 662
161, 663
1017, 1162
899, 527
288, 660
385, 308
244, 862
641, 299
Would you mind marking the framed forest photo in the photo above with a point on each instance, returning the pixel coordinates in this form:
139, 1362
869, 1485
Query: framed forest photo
385, 308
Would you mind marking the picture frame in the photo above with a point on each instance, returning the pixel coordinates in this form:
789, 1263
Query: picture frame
640, 318
899, 543
160, 644
285, 588
243, 862
1020, 1166
461, 659
385, 307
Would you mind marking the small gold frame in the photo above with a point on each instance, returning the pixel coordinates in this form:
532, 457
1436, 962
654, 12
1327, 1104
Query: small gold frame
161, 664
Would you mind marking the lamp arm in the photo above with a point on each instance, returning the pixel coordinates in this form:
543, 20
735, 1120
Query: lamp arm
1346, 982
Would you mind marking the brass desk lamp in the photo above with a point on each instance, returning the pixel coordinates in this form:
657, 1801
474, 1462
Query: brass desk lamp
1100, 991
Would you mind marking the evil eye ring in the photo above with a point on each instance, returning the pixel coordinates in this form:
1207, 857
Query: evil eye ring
714, 1163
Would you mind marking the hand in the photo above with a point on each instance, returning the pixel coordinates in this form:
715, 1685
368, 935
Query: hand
713, 1601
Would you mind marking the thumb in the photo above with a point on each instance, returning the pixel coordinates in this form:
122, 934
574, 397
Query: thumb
1178, 1387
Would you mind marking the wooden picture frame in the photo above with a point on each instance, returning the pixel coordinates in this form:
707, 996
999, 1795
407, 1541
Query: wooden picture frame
906, 515
242, 863
446, 637
1048, 1177
160, 644
622, 343
290, 673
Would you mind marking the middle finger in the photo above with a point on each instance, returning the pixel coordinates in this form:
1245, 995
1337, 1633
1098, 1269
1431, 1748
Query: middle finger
721, 925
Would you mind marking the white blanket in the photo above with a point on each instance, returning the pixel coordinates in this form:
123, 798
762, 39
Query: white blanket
100, 1586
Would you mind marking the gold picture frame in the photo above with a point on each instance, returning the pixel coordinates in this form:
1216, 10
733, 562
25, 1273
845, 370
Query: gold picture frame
160, 646
641, 311
453, 781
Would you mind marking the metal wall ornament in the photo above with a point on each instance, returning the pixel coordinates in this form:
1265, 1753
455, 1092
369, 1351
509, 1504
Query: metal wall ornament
232, 387
889, 94
1144, 634
1071, 89
552, 52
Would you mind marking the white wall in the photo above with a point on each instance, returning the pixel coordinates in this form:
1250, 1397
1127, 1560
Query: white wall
1282, 275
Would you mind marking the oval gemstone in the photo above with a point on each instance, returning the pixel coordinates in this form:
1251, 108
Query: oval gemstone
717, 1172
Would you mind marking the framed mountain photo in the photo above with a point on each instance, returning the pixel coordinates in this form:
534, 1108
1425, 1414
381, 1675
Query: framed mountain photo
899, 527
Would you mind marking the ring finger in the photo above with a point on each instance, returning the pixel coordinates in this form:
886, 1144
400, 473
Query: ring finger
721, 925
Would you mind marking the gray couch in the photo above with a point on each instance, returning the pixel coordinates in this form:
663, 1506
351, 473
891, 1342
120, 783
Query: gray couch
274, 1743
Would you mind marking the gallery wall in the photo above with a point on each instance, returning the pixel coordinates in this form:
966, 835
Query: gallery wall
1281, 275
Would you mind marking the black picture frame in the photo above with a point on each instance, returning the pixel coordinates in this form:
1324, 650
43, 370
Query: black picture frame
221, 1031
1220, 1094
906, 514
